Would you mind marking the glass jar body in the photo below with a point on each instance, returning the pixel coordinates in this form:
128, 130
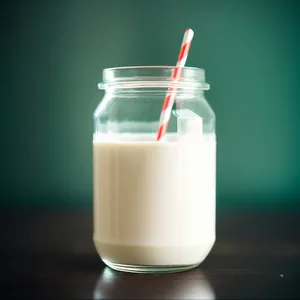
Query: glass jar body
154, 201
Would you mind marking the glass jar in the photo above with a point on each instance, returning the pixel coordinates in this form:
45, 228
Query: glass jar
154, 201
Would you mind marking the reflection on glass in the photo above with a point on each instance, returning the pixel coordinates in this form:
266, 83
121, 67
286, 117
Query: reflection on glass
186, 285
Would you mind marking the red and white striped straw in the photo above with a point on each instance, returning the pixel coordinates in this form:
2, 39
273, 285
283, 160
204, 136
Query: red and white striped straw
170, 97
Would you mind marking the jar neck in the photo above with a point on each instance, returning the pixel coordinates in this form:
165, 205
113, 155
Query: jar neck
157, 92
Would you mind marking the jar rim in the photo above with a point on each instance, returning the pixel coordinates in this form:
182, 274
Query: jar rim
153, 76
149, 67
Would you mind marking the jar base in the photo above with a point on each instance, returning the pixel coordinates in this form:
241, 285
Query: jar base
148, 269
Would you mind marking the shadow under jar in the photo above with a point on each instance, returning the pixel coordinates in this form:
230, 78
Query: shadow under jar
154, 201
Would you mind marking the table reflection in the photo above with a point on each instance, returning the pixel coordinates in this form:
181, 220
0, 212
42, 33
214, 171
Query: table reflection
186, 285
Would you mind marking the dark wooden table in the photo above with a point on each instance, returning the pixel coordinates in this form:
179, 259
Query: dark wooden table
49, 254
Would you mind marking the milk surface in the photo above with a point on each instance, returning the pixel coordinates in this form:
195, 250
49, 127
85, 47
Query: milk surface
154, 202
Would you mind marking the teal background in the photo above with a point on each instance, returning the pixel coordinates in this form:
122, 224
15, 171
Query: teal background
53, 54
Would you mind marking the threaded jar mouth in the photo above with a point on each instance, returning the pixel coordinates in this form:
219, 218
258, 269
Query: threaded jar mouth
153, 77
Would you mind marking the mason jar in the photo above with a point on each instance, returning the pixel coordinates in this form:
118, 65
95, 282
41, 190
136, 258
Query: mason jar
154, 199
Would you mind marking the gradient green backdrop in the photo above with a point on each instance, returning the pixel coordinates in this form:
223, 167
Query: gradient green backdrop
53, 55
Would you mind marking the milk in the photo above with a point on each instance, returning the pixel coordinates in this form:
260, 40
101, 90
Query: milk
154, 202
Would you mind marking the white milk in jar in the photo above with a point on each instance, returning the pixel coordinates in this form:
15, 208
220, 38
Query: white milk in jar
154, 202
